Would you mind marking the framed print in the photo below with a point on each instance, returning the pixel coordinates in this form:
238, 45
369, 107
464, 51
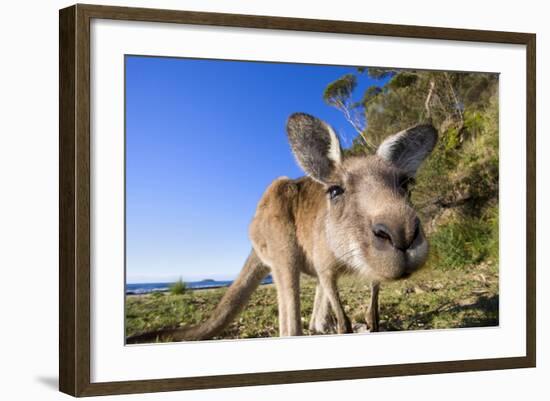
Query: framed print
250, 200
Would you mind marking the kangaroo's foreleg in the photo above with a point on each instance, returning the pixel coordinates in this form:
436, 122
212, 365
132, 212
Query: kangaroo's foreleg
287, 281
281, 303
328, 281
322, 319
373, 316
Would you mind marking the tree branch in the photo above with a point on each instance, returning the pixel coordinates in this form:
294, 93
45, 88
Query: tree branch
345, 109
455, 98
429, 98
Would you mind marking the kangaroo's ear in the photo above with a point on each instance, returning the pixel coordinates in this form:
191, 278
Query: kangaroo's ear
408, 149
315, 146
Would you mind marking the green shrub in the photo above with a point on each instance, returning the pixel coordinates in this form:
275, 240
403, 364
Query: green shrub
466, 240
178, 288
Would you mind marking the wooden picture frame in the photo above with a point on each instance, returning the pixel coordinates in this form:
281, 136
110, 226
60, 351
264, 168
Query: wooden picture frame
74, 199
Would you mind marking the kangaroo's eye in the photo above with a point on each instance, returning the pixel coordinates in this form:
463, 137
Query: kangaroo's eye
334, 191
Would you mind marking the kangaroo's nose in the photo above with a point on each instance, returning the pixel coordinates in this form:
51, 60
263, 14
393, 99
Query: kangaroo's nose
381, 231
400, 236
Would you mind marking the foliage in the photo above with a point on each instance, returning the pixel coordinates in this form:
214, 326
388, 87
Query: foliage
370, 94
339, 91
402, 80
379, 73
178, 288
465, 241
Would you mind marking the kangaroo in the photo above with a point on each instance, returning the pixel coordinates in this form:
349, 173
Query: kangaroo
349, 214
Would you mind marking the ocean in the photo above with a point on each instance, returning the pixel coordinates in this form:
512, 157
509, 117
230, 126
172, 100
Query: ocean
145, 288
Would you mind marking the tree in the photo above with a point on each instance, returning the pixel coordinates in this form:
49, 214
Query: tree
339, 95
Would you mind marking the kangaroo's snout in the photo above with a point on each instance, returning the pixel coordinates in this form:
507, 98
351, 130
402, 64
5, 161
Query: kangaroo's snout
392, 239
398, 236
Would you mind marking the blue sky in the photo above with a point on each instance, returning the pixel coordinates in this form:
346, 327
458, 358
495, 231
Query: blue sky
204, 138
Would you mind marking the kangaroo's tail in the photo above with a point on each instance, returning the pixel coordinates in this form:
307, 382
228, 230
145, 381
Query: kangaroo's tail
233, 301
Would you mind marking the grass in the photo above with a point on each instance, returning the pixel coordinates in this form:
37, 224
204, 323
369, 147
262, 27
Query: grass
466, 240
432, 299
